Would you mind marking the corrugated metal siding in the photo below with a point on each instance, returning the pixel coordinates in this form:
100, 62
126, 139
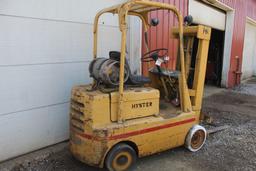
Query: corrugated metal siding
242, 9
159, 37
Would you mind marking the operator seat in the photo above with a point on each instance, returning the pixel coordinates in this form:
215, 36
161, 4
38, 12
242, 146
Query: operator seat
165, 72
137, 80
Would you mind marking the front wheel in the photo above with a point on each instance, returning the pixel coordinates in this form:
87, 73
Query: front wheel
196, 138
120, 158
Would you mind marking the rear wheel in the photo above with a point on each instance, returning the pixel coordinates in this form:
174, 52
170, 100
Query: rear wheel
196, 138
120, 158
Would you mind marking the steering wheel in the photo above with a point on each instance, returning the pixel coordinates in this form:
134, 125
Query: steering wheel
154, 54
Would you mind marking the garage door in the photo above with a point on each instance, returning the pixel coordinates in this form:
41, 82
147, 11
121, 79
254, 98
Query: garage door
249, 54
46, 47
206, 15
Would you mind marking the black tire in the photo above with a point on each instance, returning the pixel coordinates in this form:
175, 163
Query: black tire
121, 157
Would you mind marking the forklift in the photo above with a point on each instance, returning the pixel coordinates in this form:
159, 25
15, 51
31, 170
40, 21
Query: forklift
120, 116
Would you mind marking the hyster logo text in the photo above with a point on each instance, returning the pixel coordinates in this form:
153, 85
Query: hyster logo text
141, 105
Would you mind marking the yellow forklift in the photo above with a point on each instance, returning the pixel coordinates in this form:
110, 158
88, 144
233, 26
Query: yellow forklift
121, 116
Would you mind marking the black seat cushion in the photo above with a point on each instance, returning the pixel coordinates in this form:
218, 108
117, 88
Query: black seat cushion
165, 72
138, 80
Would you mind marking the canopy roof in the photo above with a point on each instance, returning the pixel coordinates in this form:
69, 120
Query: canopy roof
139, 8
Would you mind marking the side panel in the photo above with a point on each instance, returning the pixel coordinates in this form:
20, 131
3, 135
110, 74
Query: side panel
88, 150
137, 103
89, 108
152, 136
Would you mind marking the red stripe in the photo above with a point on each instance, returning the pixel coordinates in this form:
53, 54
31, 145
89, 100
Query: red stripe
143, 131
87, 136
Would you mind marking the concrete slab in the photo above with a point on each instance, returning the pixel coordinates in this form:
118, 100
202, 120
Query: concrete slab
211, 90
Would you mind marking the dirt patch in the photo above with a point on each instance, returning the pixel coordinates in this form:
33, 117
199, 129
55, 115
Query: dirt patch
234, 148
231, 149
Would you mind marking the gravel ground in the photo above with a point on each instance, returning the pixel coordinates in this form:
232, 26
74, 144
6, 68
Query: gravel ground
247, 88
231, 149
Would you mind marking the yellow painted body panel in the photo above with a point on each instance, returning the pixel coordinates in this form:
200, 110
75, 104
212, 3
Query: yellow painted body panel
154, 134
87, 150
93, 133
83, 101
137, 102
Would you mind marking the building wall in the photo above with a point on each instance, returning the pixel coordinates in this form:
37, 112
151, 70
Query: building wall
249, 51
205, 14
159, 37
45, 46
242, 9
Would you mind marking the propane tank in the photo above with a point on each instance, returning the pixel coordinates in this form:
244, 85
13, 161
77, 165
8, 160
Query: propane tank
107, 71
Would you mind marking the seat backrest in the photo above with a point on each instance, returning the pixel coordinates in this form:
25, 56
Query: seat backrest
115, 55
